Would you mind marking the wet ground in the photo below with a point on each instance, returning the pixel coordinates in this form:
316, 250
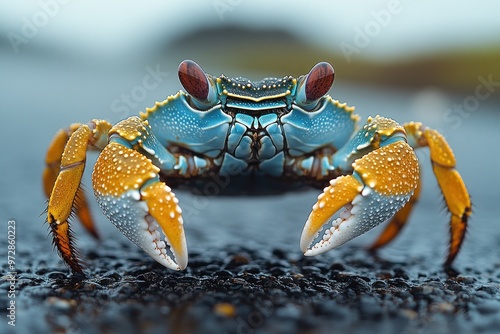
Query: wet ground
255, 286
246, 273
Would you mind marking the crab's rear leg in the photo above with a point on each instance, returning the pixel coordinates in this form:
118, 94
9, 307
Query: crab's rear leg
385, 174
62, 178
129, 191
450, 182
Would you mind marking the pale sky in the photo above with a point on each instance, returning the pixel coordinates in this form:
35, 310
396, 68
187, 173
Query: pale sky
112, 24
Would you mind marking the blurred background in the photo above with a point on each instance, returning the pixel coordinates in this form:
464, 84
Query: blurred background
71, 61
436, 62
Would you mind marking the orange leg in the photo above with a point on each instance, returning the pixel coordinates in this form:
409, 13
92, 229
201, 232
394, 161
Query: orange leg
450, 182
65, 165
53, 165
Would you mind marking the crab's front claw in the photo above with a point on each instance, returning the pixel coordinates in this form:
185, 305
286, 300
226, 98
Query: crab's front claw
128, 189
341, 193
163, 207
382, 182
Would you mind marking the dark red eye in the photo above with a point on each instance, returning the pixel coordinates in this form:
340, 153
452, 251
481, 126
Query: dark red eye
193, 79
319, 81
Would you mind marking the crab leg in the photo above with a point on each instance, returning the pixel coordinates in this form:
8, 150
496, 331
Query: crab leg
450, 182
66, 187
52, 168
128, 189
382, 182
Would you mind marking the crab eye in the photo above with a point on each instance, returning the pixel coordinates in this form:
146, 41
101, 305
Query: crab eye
315, 84
197, 83
319, 81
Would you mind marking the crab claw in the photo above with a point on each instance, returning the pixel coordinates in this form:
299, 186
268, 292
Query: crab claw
128, 189
382, 182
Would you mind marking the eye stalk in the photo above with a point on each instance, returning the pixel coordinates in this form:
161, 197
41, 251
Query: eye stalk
314, 85
198, 84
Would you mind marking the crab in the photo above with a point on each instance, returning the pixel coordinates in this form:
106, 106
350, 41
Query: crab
278, 133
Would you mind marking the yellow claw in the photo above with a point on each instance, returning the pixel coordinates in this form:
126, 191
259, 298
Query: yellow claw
127, 188
341, 192
168, 215
382, 183
391, 170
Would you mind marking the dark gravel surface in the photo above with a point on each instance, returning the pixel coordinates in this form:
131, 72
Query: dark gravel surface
243, 290
246, 275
